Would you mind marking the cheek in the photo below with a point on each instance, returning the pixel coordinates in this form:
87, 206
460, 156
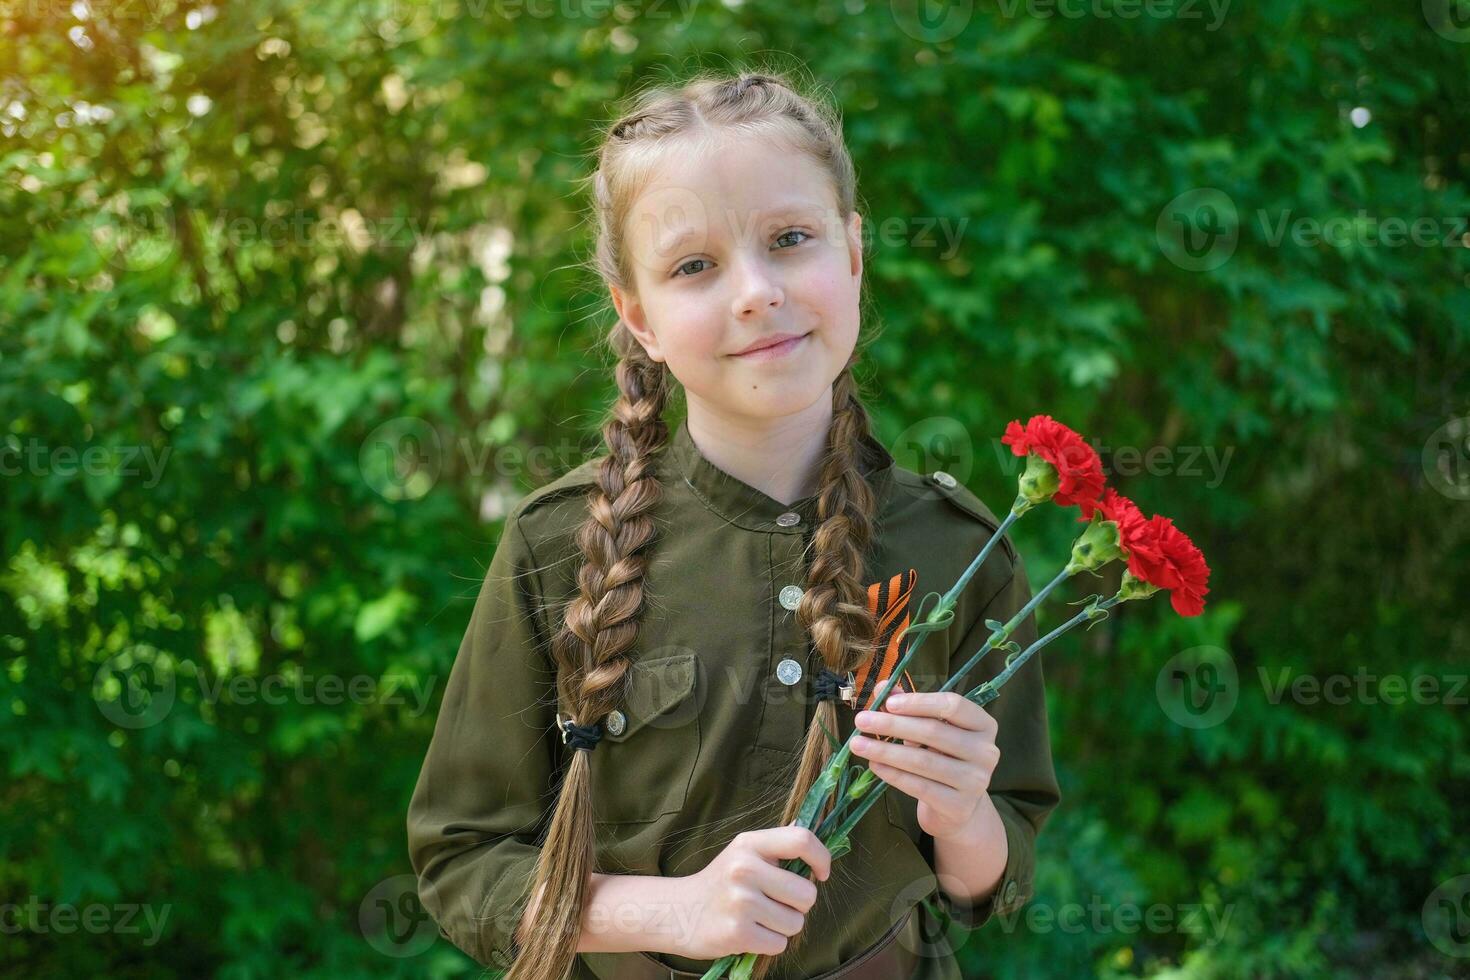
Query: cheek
830, 286
692, 338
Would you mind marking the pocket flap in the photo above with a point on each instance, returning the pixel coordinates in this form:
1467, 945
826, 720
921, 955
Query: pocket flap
654, 688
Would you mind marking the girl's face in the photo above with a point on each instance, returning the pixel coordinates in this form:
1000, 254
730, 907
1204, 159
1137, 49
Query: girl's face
740, 245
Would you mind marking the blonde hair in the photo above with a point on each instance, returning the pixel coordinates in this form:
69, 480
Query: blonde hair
593, 645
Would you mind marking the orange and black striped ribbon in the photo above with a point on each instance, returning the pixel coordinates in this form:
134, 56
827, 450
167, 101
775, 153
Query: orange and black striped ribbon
888, 601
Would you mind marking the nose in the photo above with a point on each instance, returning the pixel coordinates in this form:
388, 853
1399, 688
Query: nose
756, 290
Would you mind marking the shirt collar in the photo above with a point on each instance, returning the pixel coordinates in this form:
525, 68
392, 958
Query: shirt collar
744, 505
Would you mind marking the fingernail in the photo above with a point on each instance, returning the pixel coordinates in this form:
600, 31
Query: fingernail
897, 700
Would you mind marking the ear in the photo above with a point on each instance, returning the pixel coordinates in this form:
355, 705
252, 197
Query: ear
855, 243
631, 312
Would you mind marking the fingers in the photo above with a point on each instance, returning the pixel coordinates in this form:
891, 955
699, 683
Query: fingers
936, 794
767, 942
948, 707
783, 843
789, 889
938, 735
779, 917
965, 776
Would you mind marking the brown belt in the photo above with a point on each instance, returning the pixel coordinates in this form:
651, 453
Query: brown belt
886, 959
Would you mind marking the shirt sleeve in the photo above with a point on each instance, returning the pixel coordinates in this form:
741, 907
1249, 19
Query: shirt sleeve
474, 820
1024, 784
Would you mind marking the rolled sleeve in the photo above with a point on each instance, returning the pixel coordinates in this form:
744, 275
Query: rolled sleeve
1024, 785
475, 817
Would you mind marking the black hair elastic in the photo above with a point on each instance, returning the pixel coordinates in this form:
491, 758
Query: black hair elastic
577, 736
827, 685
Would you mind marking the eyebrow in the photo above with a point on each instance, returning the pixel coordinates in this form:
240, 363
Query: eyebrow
786, 209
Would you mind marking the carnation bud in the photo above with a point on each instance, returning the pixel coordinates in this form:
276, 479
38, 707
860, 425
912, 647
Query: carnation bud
1096, 546
860, 785
1134, 587
1037, 485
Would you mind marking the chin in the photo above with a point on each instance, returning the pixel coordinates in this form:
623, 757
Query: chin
780, 398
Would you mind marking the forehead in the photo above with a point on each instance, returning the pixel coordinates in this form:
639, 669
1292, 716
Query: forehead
727, 187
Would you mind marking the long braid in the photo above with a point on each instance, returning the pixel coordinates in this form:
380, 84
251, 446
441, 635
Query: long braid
592, 647
834, 607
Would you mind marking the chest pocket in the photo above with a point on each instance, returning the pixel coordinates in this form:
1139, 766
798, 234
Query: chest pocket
643, 772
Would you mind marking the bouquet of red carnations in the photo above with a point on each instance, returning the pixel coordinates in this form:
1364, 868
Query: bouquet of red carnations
1062, 468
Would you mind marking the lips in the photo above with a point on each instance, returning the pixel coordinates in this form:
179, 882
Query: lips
773, 346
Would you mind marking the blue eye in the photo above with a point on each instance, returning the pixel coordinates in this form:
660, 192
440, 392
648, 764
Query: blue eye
680, 271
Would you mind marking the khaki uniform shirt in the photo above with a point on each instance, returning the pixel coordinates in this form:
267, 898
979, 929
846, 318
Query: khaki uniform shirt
711, 728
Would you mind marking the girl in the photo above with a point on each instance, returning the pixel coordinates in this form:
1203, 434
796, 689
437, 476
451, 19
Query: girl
638, 705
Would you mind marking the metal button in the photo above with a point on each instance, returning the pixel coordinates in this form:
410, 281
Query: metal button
791, 596
616, 723
788, 672
1008, 895
943, 479
789, 519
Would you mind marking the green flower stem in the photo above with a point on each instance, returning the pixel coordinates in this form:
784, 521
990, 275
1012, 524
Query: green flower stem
1002, 634
990, 690
952, 596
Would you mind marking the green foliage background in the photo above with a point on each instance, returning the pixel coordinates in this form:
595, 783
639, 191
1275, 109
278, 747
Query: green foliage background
249, 236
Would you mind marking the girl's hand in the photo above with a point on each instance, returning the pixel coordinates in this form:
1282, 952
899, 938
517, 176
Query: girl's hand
946, 760
745, 902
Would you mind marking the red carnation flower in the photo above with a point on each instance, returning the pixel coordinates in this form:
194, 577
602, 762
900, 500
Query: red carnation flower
1079, 471
1167, 558
1138, 539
